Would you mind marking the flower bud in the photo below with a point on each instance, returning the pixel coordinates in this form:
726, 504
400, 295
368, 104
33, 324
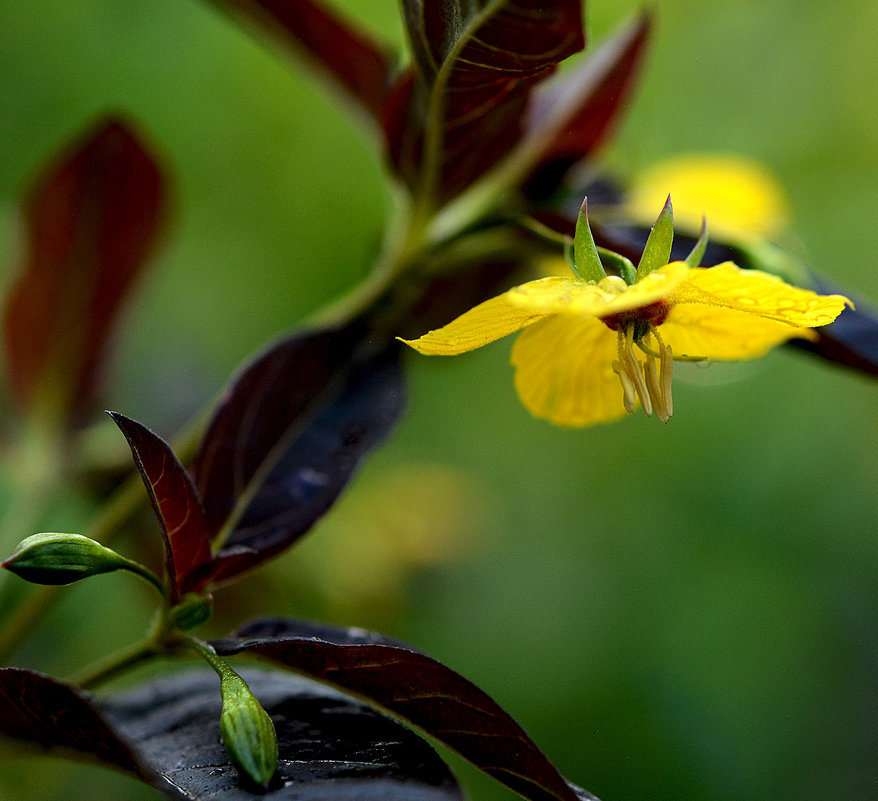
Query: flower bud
62, 559
248, 732
192, 611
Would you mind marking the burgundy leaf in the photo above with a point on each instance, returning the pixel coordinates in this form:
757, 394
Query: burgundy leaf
574, 114
176, 504
477, 63
51, 714
415, 688
91, 223
166, 732
288, 436
330, 746
347, 56
403, 127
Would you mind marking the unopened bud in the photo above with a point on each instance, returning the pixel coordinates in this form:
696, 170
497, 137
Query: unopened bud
192, 611
248, 732
62, 559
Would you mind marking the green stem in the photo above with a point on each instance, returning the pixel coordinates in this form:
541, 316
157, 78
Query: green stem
206, 652
118, 663
151, 578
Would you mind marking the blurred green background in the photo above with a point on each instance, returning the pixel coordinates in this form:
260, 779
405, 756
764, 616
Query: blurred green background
683, 612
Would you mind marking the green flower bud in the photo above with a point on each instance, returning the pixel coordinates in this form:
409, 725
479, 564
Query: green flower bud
192, 611
248, 732
63, 559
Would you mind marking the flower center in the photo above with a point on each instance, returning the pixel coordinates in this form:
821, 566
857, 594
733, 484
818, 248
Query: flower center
649, 378
651, 314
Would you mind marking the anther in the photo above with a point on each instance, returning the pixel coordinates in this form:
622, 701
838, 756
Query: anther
628, 395
630, 366
655, 391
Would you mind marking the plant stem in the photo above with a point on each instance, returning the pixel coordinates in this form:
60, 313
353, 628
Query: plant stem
111, 667
206, 652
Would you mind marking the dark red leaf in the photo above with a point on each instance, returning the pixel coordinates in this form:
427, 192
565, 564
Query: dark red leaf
166, 732
568, 120
402, 127
348, 57
91, 223
415, 688
477, 63
288, 436
51, 714
176, 504
331, 747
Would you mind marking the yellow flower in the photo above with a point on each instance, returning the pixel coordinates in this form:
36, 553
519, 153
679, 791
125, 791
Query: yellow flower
582, 338
737, 194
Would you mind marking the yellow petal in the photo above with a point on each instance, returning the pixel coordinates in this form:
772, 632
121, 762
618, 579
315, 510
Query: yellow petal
524, 305
563, 371
727, 286
487, 322
610, 296
712, 332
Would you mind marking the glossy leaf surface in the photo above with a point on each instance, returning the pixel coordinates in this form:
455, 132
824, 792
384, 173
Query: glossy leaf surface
175, 502
360, 68
91, 222
414, 687
476, 65
330, 746
289, 435
166, 731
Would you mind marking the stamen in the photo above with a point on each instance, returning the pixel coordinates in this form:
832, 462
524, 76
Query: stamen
655, 390
628, 396
632, 367
649, 380
667, 373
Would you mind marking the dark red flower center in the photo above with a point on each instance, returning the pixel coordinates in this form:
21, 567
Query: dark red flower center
651, 314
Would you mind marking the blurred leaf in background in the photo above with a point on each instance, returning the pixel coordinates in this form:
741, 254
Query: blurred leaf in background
682, 612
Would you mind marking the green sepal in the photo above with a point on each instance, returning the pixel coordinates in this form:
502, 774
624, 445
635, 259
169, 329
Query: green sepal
64, 558
192, 611
697, 254
586, 261
657, 251
248, 732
